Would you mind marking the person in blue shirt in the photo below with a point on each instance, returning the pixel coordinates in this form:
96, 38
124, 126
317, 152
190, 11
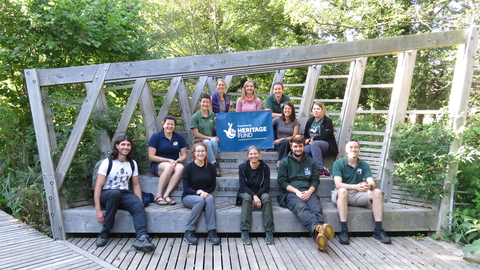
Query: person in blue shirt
167, 150
221, 101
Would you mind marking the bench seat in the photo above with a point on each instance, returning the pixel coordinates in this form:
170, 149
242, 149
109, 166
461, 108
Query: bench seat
172, 218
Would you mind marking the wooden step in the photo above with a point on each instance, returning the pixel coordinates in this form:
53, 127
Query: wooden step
172, 219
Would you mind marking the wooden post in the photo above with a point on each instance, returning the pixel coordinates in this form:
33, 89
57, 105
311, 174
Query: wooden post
350, 104
396, 114
45, 151
278, 77
308, 93
459, 95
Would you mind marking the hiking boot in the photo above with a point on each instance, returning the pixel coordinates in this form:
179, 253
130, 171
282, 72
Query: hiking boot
326, 229
381, 236
343, 237
143, 244
246, 238
213, 237
322, 242
217, 169
102, 237
269, 238
190, 238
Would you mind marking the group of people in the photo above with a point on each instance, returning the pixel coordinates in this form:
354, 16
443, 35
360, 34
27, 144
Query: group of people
300, 164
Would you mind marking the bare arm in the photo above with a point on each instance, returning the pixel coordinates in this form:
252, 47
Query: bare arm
137, 189
96, 197
361, 187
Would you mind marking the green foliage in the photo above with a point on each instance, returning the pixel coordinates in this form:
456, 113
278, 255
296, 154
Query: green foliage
22, 195
465, 229
421, 155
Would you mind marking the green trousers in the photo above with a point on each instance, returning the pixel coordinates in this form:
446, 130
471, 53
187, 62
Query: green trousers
267, 212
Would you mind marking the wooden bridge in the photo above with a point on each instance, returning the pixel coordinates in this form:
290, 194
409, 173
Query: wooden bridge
138, 80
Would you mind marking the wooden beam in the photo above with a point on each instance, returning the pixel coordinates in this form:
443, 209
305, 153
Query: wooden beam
211, 82
103, 141
167, 102
45, 153
278, 77
246, 62
350, 104
49, 118
129, 108
308, 94
148, 111
459, 95
397, 112
80, 125
184, 105
197, 92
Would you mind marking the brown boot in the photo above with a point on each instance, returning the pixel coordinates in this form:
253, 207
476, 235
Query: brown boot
217, 169
325, 229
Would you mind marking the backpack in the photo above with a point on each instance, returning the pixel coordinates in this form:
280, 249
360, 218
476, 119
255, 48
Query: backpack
109, 169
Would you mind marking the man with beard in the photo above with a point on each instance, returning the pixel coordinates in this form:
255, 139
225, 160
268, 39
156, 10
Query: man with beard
298, 177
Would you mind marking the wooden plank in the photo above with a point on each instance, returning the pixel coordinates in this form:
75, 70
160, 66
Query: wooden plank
50, 182
185, 111
308, 92
328, 259
457, 110
129, 108
277, 77
200, 257
225, 254
274, 59
123, 255
172, 91
397, 113
391, 252
259, 255
350, 104
197, 93
103, 141
212, 89
343, 256
233, 253
217, 257
49, 118
148, 111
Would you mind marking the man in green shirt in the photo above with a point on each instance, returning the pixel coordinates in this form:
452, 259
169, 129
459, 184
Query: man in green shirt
298, 177
355, 186
275, 102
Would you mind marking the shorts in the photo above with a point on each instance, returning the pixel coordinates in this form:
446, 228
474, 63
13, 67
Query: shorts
355, 198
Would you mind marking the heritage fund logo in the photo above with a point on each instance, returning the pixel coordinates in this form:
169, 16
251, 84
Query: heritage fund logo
230, 132
243, 131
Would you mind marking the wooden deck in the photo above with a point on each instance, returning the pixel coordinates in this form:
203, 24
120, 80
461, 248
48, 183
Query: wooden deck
286, 253
22, 247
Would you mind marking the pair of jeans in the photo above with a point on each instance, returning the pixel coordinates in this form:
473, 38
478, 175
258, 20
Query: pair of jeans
113, 199
246, 215
198, 205
212, 149
309, 212
316, 150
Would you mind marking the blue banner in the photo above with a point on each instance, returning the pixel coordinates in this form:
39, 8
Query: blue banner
238, 131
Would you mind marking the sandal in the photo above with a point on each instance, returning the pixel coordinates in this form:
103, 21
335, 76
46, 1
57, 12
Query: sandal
160, 201
170, 201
